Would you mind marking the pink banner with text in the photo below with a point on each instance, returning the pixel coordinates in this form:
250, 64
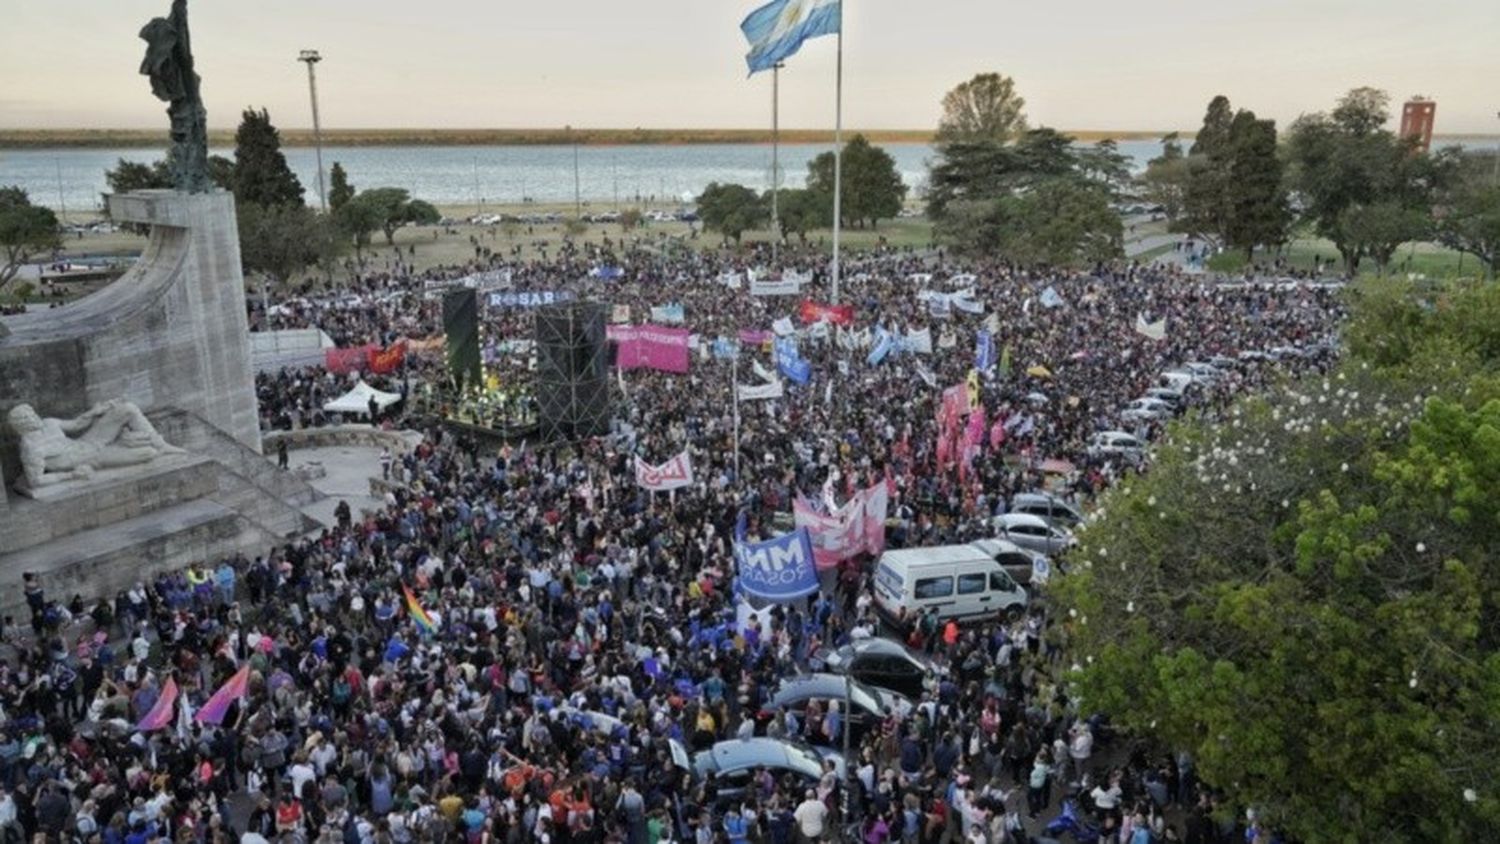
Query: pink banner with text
651, 346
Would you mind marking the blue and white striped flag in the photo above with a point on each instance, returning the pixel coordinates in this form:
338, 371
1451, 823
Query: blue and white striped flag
776, 30
984, 351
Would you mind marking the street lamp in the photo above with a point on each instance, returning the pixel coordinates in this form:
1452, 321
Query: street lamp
311, 57
577, 197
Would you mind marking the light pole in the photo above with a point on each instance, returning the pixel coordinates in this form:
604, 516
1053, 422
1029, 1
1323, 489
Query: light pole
311, 58
1496, 175
577, 196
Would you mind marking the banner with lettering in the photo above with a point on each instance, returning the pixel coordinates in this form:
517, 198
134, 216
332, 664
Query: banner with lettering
812, 312
671, 314
755, 338
651, 347
528, 298
345, 361
856, 528
790, 363
779, 570
772, 390
776, 287
673, 474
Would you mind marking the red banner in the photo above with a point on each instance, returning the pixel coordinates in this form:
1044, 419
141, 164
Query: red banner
841, 314
388, 360
345, 361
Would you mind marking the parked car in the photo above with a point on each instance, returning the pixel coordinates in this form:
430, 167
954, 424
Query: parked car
734, 763
957, 581
1146, 409
1175, 398
1046, 506
881, 663
1116, 444
1033, 532
866, 706
1018, 562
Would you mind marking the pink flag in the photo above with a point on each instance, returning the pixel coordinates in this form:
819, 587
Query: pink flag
160, 714
217, 706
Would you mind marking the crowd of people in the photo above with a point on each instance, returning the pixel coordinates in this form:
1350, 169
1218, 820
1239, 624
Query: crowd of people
565, 627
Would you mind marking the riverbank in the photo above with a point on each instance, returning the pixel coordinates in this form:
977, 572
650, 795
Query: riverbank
145, 138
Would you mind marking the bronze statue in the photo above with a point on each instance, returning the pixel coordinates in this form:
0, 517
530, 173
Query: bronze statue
169, 63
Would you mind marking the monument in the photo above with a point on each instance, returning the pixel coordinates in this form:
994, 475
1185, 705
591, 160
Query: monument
133, 440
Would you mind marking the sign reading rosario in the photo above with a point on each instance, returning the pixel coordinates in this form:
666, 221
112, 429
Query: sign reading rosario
673, 474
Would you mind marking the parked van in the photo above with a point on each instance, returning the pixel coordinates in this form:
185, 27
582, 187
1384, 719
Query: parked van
959, 581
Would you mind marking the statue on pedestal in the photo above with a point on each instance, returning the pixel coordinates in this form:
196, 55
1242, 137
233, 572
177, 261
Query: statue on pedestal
109, 434
169, 63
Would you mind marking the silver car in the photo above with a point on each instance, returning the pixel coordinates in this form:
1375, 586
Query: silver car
1033, 533
734, 763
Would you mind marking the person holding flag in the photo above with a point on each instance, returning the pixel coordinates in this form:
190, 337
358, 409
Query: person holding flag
419, 616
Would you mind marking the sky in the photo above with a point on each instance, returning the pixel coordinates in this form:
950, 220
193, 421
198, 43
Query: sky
1084, 64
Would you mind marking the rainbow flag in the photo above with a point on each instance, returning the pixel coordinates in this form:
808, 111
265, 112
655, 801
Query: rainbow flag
418, 615
214, 710
160, 714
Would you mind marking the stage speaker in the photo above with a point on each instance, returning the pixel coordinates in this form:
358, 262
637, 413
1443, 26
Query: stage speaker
461, 324
572, 371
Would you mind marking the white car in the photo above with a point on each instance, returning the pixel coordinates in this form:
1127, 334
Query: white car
1146, 409
1033, 533
1175, 398
1116, 444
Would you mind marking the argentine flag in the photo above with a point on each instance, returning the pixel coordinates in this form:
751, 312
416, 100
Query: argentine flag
776, 30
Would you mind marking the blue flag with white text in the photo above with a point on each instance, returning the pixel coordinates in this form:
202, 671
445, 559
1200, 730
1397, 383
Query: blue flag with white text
779, 570
984, 351
776, 30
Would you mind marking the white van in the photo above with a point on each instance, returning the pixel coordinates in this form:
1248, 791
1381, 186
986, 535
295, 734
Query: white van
959, 581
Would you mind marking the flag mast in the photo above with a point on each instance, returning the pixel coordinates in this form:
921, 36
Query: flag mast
775, 163
838, 149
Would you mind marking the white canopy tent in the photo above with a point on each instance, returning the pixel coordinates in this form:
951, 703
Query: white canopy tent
357, 400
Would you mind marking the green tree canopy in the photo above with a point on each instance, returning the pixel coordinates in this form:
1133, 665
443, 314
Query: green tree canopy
731, 210
26, 231
1257, 214
339, 189
385, 209
1471, 221
985, 109
1165, 179
1304, 593
872, 189
261, 175
281, 240
800, 211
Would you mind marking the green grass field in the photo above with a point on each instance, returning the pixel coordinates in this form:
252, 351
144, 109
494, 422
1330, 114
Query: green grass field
1423, 259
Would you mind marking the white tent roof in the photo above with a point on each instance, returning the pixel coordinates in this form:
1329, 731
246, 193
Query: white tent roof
357, 400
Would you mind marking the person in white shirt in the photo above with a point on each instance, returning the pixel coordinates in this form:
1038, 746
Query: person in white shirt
812, 817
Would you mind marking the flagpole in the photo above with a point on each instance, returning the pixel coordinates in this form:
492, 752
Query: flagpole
838, 151
734, 385
775, 163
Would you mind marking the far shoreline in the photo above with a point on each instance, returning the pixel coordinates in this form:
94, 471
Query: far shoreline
302, 137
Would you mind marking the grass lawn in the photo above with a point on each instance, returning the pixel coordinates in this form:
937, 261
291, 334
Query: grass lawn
447, 246
1427, 259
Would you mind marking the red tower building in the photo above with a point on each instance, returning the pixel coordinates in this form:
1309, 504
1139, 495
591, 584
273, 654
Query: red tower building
1416, 121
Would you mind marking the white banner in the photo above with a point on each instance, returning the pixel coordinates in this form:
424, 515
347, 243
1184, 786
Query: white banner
673, 474
780, 287
919, 342
730, 280
773, 390
1154, 330
761, 372
783, 326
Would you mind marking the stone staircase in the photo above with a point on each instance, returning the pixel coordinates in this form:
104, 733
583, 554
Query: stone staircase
98, 537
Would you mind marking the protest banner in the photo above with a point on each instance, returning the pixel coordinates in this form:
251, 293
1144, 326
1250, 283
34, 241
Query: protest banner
651, 347
780, 570
673, 474
528, 298
812, 312
671, 314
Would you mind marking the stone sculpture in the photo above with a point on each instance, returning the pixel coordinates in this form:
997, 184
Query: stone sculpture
108, 435
169, 63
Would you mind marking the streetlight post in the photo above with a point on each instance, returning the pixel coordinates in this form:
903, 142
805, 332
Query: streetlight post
311, 58
1496, 176
577, 196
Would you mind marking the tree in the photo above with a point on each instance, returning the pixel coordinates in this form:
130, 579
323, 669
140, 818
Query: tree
339, 189
360, 217
988, 171
1104, 164
26, 231
1471, 223
386, 209
133, 176
1305, 596
1206, 197
872, 189
1165, 180
630, 219
1257, 212
1346, 159
1061, 221
1378, 229
985, 109
799, 211
261, 175
279, 240
731, 210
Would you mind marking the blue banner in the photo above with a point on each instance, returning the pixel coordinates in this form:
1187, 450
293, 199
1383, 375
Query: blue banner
726, 349
885, 343
984, 351
791, 364
528, 298
778, 570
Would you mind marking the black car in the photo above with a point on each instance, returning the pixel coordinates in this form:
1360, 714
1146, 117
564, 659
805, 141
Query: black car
881, 663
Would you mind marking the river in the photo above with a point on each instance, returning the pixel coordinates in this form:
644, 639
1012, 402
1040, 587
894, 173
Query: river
468, 175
